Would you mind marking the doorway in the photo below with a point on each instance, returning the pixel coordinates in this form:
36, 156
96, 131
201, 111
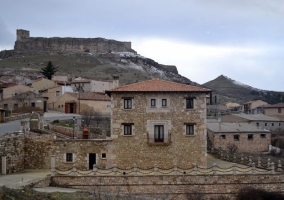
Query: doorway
92, 160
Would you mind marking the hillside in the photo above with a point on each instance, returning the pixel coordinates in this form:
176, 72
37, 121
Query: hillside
229, 89
129, 66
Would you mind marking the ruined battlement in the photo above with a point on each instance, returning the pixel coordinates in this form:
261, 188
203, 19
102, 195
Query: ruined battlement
56, 44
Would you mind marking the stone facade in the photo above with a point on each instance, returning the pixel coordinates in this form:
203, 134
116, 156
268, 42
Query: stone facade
178, 148
95, 45
173, 187
81, 150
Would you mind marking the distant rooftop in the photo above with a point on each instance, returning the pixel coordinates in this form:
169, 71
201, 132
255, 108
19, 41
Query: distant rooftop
235, 128
259, 117
278, 105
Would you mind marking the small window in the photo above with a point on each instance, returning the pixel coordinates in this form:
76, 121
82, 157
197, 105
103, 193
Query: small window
257, 124
189, 103
58, 106
33, 104
272, 124
57, 93
27, 94
189, 129
104, 155
127, 103
61, 106
15, 106
153, 102
250, 136
265, 124
236, 137
279, 110
127, 129
164, 102
5, 106
16, 93
159, 133
279, 124
69, 157
262, 135
223, 136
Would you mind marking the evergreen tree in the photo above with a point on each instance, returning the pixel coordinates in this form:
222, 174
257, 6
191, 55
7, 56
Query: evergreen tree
48, 71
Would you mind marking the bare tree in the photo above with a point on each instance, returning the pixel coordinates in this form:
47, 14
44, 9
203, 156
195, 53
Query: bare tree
232, 148
22, 97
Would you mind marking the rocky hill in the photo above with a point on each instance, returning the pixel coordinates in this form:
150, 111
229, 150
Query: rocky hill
228, 89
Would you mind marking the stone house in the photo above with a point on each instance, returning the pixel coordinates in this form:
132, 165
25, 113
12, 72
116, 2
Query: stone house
254, 107
53, 94
12, 89
86, 85
71, 102
246, 137
43, 84
29, 99
260, 120
276, 110
158, 122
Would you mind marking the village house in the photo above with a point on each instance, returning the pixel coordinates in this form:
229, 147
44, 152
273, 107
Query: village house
53, 94
242, 137
276, 110
254, 107
25, 99
12, 89
87, 85
159, 122
42, 84
259, 120
71, 102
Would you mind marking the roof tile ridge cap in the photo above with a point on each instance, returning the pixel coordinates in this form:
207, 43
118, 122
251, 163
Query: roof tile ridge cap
123, 86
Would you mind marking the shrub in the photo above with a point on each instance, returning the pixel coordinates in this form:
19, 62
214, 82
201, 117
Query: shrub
250, 193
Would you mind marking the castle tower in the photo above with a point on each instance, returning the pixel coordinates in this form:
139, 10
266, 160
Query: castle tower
22, 34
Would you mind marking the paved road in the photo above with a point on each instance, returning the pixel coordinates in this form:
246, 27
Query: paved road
13, 126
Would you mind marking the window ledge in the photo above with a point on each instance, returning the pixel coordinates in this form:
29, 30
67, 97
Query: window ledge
158, 143
190, 135
127, 135
70, 162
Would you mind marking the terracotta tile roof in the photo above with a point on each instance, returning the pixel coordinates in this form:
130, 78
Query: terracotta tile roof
158, 85
278, 105
90, 96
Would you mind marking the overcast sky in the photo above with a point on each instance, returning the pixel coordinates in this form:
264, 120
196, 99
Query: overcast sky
241, 39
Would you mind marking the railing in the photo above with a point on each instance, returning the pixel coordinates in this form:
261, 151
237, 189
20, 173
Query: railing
166, 140
155, 170
248, 160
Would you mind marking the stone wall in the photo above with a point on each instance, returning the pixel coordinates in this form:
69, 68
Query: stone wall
68, 131
12, 146
259, 142
173, 187
38, 151
81, 150
57, 44
181, 149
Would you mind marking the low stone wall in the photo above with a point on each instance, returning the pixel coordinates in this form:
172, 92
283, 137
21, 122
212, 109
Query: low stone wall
173, 187
17, 117
67, 131
42, 183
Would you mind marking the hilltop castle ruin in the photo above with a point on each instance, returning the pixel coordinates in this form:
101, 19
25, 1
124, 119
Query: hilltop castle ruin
56, 44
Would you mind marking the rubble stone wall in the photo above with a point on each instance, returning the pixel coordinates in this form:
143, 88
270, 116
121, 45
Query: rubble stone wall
183, 150
173, 187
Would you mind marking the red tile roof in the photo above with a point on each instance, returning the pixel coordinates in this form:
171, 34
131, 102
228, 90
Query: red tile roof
90, 96
158, 85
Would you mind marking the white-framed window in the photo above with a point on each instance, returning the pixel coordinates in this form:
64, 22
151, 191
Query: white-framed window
127, 129
57, 93
159, 133
164, 102
69, 157
127, 103
189, 103
189, 129
153, 102
104, 156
